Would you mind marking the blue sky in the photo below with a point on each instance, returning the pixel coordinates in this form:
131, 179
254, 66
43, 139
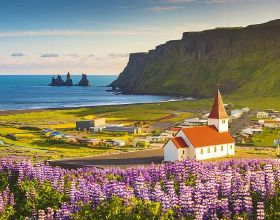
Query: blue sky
54, 36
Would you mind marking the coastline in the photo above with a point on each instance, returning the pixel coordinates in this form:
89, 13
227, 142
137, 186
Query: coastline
22, 111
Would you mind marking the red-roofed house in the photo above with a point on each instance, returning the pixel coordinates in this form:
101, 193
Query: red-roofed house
203, 142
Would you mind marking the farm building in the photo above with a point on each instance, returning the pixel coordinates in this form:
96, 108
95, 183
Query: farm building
203, 142
129, 130
83, 125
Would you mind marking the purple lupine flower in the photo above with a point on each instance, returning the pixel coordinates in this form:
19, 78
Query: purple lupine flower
50, 214
1, 204
12, 199
260, 211
41, 215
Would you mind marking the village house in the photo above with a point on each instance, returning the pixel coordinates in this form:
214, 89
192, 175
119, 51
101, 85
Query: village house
191, 122
272, 123
262, 115
203, 142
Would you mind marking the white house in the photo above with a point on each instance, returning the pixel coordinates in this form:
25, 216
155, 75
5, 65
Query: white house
272, 124
203, 142
262, 115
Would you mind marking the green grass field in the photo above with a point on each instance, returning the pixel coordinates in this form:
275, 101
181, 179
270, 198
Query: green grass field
266, 138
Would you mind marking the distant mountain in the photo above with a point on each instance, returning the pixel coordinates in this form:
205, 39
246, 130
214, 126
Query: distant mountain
244, 60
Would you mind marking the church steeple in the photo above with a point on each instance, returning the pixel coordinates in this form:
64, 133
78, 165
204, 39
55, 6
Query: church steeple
218, 110
218, 116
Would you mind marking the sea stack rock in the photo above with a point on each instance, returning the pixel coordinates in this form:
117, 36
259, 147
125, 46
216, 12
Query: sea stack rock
84, 81
69, 81
57, 81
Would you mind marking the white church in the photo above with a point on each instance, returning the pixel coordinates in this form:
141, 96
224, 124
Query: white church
203, 142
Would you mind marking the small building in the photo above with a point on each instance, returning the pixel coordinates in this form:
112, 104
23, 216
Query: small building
99, 122
191, 122
89, 141
118, 143
245, 110
56, 135
140, 142
129, 130
156, 139
203, 142
69, 138
84, 125
243, 138
235, 114
262, 115
272, 124
96, 129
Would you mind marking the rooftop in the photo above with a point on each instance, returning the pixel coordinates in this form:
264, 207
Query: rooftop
207, 136
218, 110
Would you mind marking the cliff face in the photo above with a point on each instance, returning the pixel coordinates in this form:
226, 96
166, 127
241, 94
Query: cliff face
245, 61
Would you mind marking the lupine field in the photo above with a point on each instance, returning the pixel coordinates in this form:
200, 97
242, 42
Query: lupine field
240, 189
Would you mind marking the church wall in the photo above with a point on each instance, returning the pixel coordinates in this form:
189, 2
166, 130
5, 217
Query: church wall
170, 152
212, 153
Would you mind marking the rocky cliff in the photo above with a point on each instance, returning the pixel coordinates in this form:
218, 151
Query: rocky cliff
60, 82
245, 61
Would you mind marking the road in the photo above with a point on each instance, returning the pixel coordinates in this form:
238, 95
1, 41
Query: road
243, 122
122, 160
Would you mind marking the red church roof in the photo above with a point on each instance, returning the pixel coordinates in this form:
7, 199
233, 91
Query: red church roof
218, 110
203, 136
179, 142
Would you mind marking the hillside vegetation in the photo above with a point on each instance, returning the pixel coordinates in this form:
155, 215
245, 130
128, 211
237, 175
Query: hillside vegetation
245, 61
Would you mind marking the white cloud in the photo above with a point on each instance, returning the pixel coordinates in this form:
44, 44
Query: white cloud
17, 55
73, 55
48, 55
159, 9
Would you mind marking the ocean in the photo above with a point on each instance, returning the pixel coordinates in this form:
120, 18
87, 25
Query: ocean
32, 92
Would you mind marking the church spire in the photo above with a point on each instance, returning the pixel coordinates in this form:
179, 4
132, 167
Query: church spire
218, 110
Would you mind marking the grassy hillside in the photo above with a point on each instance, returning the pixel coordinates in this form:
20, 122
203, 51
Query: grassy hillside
246, 62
